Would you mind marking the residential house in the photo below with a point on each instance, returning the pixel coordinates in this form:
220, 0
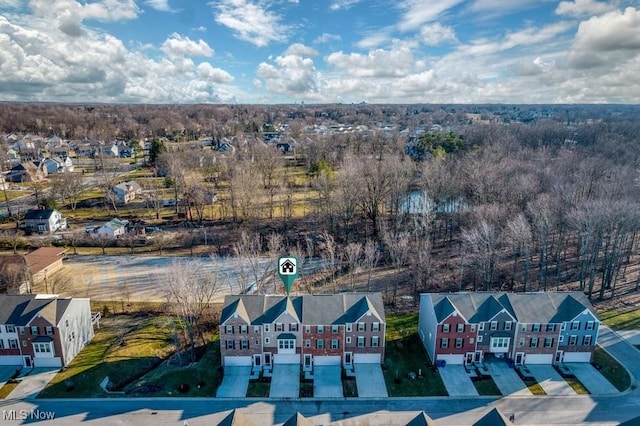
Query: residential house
336, 329
126, 192
43, 330
27, 171
112, 229
534, 328
58, 165
45, 221
44, 262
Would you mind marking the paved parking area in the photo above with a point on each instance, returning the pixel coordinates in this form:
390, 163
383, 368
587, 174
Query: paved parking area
33, 383
457, 381
327, 382
6, 371
285, 382
235, 382
506, 379
550, 380
592, 379
370, 381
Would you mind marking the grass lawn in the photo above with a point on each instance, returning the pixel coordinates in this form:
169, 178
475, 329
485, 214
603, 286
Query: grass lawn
577, 386
124, 348
534, 387
306, 388
404, 354
258, 389
611, 369
621, 320
486, 387
7, 389
349, 387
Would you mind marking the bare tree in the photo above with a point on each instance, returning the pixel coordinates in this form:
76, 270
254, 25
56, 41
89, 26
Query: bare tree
398, 245
370, 260
351, 256
254, 269
482, 242
68, 187
328, 251
518, 235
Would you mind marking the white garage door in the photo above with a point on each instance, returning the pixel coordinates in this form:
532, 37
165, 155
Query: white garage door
326, 360
366, 358
577, 357
454, 359
47, 362
11, 360
237, 361
286, 359
538, 359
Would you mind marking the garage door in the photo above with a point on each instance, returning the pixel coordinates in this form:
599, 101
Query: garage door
577, 357
11, 360
286, 359
366, 358
538, 359
237, 361
47, 362
326, 360
454, 359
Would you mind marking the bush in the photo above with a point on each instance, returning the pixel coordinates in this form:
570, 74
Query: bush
183, 388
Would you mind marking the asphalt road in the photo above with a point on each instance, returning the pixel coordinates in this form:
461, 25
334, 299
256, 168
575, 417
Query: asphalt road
528, 410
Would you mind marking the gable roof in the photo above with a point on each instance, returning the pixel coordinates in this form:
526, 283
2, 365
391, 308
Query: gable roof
43, 257
20, 310
38, 214
129, 186
493, 418
422, 420
236, 418
320, 309
298, 420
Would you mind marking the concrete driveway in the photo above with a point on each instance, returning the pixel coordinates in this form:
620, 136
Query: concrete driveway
591, 378
370, 381
457, 381
285, 381
550, 380
234, 383
33, 382
6, 371
506, 378
327, 382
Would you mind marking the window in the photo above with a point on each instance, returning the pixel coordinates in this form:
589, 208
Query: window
551, 327
267, 328
320, 329
49, 330
66, 323
500, 342
361, 326
575, 325
349, 327
244, 344
507, 325
21, 329
307, 329
473, 328
494, 325
1, 344
24, 343
348, 340
34, 330
256, 329
334, 343
307, 343
13, 343
523, 327
564, 326
42, 347
445, 328
320, 344
590, 325
472, 341
375, 326
573, 340
458, 343
479, 339
293, 327
360, 341
286, 344
334, 329
548, 342
11, 328
375, 341
534, 342
229, 329
481, 326
521, 341
460, 328
586, 340
560, 339
444, 343
244, 329
231, 344
535, 327
267, 340
279, 326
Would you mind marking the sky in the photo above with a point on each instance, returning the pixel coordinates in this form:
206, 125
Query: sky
320, 51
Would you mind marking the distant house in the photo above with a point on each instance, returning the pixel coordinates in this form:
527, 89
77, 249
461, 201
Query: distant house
58, 165
337, 329
44, 221
27, 172
288, 148
44, 262
126, 192
533, 328
43, 330
110, 150
112, 229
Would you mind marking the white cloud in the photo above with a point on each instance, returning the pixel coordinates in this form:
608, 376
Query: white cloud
437, 34
251, 21
161, 5
580, 8
178, 46
290, 75
343, 4
418, 12
327, 38
377, 63
373, 40
10, 3
607, 40
216, 75
300, 50
105, 10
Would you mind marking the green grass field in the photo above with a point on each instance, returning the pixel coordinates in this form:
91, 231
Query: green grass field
611, 369
621, 320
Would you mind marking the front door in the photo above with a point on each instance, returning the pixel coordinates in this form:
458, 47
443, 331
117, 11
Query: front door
27, 362
267, 359
559, 356
257, 360
307, 361
468, 358
347, 359
520, 358
478, 357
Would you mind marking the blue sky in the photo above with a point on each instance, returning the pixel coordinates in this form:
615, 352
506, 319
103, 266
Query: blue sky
313, 51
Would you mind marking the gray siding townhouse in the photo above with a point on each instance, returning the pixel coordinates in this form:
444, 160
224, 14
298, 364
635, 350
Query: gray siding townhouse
534, 328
